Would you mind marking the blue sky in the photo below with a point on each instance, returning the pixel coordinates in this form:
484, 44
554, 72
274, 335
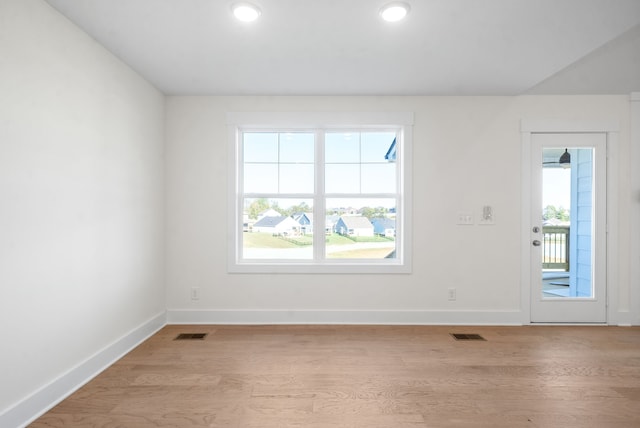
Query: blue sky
556, 187
284, 162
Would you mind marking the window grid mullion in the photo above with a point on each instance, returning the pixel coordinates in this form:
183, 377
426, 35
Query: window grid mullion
319, 201
278, 159
360, 161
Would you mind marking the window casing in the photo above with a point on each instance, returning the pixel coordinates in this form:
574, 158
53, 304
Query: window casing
319, 192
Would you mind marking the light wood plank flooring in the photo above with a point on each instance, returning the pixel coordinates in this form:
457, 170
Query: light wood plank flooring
367, 376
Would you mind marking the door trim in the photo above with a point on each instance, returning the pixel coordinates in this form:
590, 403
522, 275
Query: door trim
611, 129
632, 316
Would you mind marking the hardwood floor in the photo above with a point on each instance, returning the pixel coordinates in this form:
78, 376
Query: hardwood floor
367, 376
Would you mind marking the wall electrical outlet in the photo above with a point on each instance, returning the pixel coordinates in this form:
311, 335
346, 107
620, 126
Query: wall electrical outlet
452, 294
195, 293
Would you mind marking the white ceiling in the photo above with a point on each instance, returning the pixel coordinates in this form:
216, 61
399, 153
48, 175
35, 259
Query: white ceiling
342, 47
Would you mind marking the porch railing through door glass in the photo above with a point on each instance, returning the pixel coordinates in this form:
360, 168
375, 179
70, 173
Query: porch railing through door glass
555, 247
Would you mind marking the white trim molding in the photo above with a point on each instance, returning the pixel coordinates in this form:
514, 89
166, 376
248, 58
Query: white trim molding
633, 317
567, 126
365, 317
319, 119
34, 406
398, 124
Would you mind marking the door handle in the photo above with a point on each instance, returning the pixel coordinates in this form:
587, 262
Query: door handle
536, 243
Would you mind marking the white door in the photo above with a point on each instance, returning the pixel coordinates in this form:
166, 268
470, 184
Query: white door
567, 239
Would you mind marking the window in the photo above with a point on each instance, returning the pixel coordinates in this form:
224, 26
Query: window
319, 193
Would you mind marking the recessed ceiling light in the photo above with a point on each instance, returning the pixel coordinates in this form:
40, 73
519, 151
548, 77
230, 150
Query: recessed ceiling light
395, 11
245, 12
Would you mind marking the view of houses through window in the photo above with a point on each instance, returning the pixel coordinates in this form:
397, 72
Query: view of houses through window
296, 207
284, 228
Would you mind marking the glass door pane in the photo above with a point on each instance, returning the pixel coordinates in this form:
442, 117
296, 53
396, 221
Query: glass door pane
567, 226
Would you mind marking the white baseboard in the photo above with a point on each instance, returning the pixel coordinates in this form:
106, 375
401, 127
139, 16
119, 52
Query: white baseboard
625, 319
344, 317
32, 407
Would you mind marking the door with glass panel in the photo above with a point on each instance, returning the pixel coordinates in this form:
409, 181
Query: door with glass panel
568, 227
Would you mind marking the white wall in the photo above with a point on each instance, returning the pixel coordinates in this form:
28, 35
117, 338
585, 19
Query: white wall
81, 200
466, 154
634, 233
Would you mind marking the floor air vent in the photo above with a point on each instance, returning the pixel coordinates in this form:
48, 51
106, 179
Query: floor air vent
458, 336
191, 336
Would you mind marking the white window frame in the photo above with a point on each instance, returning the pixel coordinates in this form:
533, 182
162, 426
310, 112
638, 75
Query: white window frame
237, 122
